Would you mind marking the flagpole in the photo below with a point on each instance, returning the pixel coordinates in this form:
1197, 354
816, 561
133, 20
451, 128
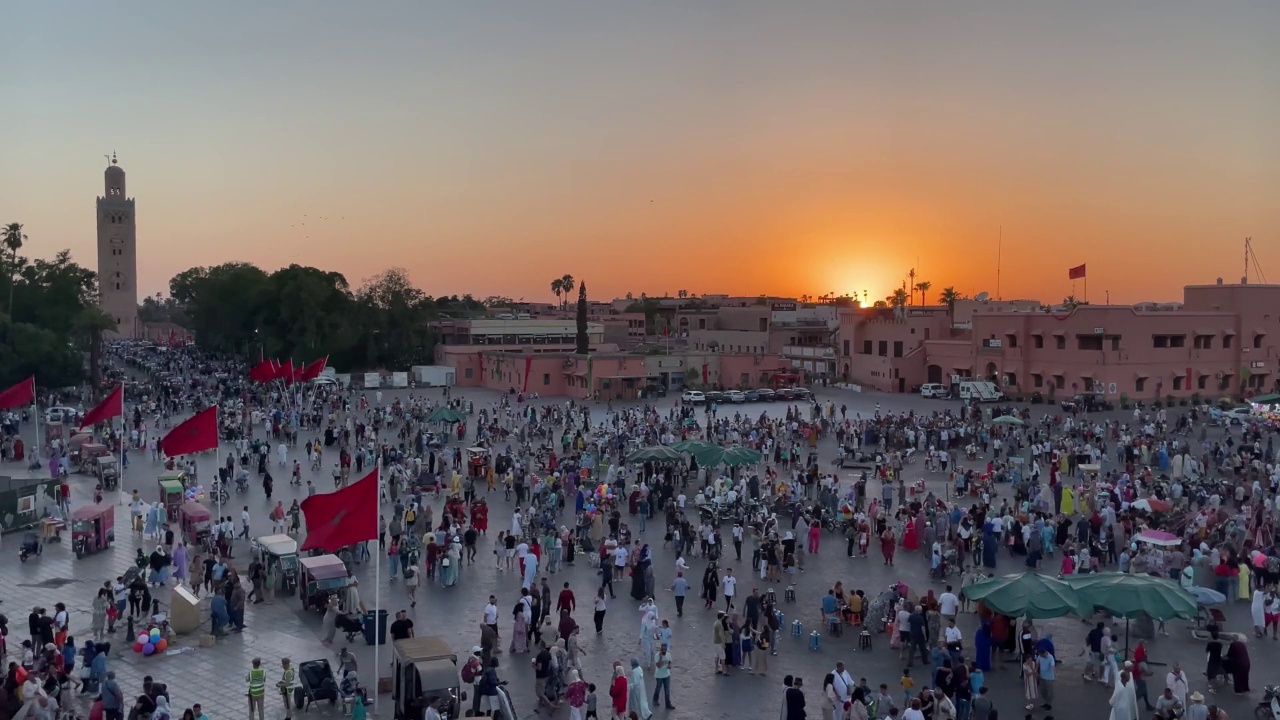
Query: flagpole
124, 433
35, 404
377, 581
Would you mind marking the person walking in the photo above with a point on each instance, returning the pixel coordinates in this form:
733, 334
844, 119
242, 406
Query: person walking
662, 676
257, 679
680, 587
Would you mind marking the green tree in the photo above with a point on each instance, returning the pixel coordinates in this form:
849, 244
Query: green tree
52, 299
898, 299
583, 342
13, 241
557, 289
923, 286
567, 285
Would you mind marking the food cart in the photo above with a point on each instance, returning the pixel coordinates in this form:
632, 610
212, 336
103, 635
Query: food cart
320, 577
74, 443
173, 488
477, 462
108, 471
196, 523
280, 552
89, 453
54, 430
92, 528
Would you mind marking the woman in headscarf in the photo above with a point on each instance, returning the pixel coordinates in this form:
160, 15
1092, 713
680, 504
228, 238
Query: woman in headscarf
1258, 613
638, 590
637, 695
982, 645
159, 562
990, 546
1238, 665
181, 562
648, 631
710, 584
162, 711
618, 692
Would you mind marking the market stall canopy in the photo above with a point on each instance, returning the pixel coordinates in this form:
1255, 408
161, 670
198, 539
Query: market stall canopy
1206, 596
731, 456
691, 446
1153, 505
446, 415
1268, 399
1159, 538
656, 453
1030, 595
1008, 420
1130, 596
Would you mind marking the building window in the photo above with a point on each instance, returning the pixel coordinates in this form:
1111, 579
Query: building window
467, 373
1115, 343
702, 323
546, 378
1037, 341
1257, 340
866, 347
1140, 385
846, 348
1177, 382
1060, 342
1203, 342
1226, 341
1088, 342
1037, 380
1059, 382
882, 348
897, 348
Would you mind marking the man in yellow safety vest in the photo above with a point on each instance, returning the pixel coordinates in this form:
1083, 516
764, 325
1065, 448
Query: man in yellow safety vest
257, 688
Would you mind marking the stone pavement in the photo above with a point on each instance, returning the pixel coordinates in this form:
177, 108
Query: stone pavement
215, 676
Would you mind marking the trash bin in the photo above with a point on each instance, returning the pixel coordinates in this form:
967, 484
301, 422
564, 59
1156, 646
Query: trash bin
375, 633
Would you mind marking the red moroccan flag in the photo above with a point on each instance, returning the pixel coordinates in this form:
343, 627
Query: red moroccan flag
197, 434
285, 372
111, 407
344, 517
24, 393
263, 372
312, 370
1076, 272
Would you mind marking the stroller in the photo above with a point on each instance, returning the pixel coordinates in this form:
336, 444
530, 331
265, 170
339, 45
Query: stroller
350, 624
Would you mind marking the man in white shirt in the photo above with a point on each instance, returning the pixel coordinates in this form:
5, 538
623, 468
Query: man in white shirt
619, 560
948, 604
730, 587
491, 614
244, 522
842, 683
1176, 681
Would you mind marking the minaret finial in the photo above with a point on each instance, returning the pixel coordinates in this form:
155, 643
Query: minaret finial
113, 157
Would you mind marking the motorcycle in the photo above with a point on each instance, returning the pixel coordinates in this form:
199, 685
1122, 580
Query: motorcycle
242, 482
1269, 706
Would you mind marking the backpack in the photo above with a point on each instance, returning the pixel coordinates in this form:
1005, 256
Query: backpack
470, 671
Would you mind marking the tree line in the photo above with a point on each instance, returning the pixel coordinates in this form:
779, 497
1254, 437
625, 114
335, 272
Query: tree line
305, 313
49, 316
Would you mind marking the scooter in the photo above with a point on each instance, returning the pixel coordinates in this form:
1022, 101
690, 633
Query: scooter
1269, 706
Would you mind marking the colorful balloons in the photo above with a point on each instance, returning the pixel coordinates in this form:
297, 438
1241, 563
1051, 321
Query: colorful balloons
137, 647
162, 645
143, 638
148, 649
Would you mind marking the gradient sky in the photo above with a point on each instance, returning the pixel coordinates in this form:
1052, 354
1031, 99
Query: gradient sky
740, 146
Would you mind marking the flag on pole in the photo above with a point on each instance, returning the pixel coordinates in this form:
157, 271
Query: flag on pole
111, 407
343, 517
197, 434
312, 370
264, 372
24, 393
285, 372
1075, 273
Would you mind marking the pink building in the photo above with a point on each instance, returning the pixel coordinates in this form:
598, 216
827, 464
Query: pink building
1221, 340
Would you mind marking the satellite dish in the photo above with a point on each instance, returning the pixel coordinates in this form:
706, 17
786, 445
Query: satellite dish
981, 297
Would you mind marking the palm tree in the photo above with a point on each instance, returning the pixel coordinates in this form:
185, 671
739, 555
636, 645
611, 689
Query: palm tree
682, 294
568, 285
899, 298
923, 286
557, 287
13, 241
912, 285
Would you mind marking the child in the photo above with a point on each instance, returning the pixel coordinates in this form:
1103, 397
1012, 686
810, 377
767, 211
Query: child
748, 645
907, 683
591, 703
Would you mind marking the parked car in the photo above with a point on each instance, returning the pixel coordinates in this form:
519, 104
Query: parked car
715, 396
1088, 402
1239, 415
783, 394
735, 396
1037, 398
765, 395
753, 396
799, 393
62, 414
655, 390
693, 397
936, 391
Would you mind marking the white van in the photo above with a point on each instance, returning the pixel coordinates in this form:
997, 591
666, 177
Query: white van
980, 391
934, 390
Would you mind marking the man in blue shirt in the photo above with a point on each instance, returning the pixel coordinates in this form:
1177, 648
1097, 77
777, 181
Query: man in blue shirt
112, 697
1046, 663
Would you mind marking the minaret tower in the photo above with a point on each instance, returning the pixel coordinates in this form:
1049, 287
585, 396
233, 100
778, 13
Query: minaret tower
118, 254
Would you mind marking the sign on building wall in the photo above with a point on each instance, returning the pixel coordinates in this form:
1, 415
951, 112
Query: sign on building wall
784, 307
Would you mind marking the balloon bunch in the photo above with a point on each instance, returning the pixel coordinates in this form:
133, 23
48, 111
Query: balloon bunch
149, 643
195, 493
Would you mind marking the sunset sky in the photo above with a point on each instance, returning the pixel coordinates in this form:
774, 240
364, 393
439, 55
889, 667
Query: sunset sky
739, 146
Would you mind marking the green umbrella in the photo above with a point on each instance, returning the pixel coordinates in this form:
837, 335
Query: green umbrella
658, 453
1131, 596
736, 456
1270, 399
1030, 595
446, 415
1007, 420
691, 446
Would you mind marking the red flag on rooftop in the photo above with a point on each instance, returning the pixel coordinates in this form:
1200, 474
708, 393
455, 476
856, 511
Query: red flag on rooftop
312, 370
197, 434
112, 406
1075, 273
344, 517
24, 393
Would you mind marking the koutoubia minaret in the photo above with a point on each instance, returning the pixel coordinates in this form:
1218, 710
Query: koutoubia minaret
118, 253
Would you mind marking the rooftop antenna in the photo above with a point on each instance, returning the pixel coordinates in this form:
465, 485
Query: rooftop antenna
999, 258
1250, 255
